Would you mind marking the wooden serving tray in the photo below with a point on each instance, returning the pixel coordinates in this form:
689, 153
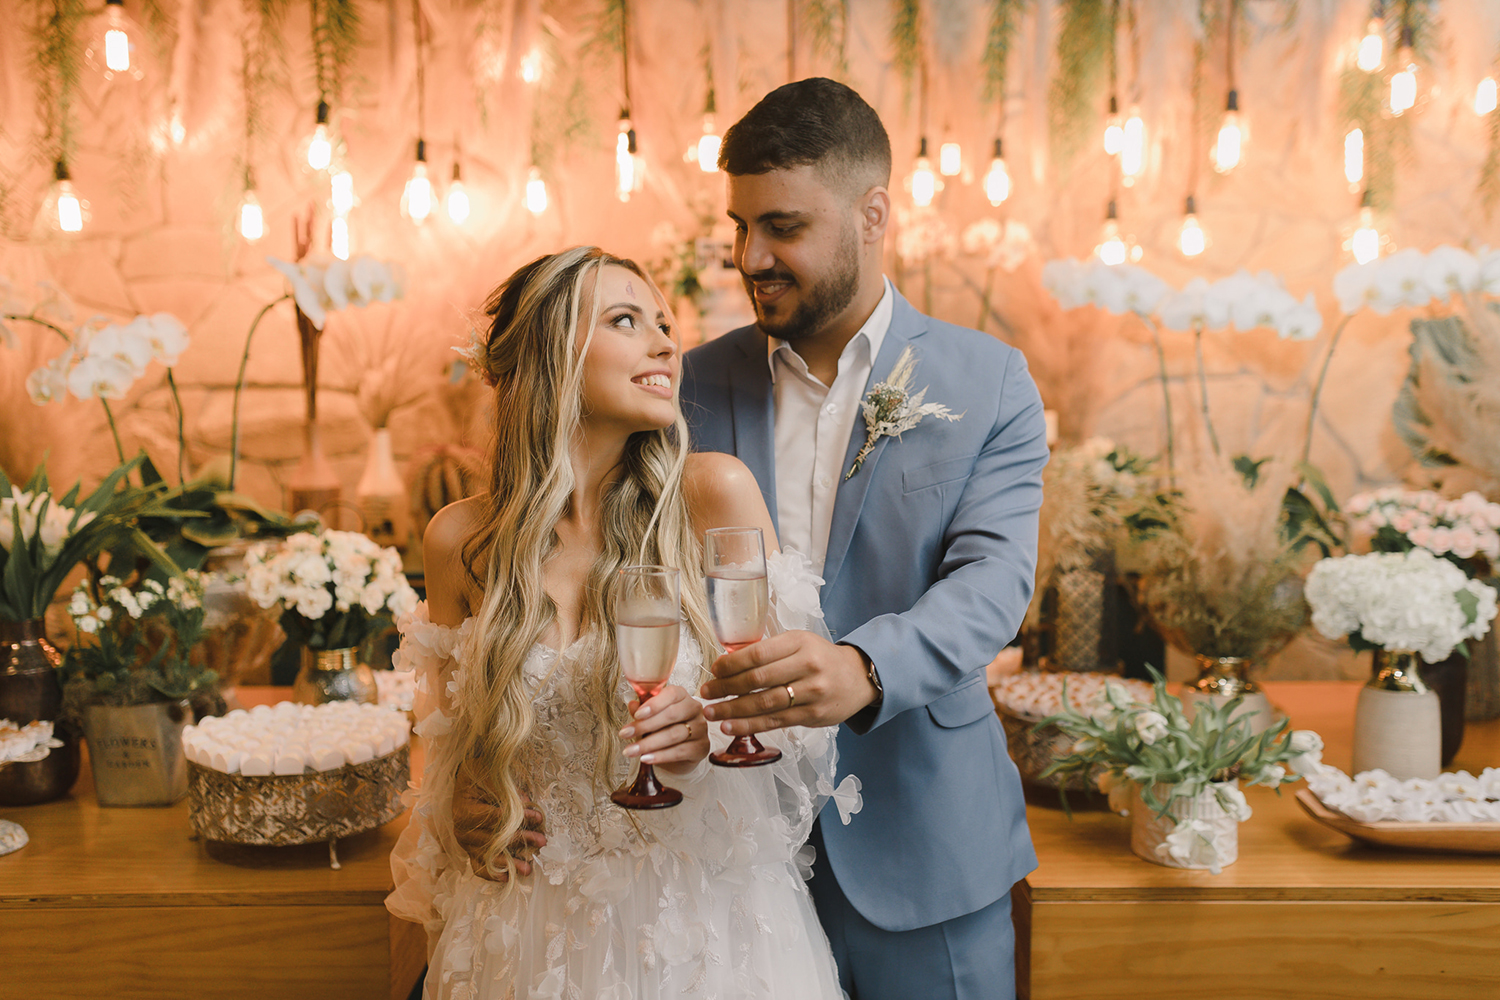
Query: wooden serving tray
1448, 838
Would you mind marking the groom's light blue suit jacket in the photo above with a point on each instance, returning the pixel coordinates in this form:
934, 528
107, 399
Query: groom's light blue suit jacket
930, 565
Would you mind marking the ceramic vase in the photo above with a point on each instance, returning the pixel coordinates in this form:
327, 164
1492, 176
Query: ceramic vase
1149, 832
381, 495
1397, 720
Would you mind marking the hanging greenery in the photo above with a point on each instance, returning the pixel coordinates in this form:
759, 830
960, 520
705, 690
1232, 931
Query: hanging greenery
264, 69
1005, 23
1362, 100
1488, 187
906, 41
57, 59
608, 40
827, 24
1084, 43
335, 38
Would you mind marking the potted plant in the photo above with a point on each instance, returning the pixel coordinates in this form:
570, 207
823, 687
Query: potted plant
1407, 607
43, 537
336, 590
131, 681
1178, 778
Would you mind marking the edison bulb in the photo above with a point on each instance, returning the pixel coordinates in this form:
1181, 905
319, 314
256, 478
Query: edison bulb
110, 47
1404, 89
1365, 243
1371, 47
1111, 249
708, 147
536, 192
627, 174
69, 208
252, 220
1190, 239
1132, 147
320, 148
416, 201
1485, 97
923, 183
341, 192
1354, 158
997, 182
531, 66
338, 237
950, 159
1228, 147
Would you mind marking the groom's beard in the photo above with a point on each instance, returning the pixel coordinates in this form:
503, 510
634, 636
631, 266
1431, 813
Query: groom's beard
829, 296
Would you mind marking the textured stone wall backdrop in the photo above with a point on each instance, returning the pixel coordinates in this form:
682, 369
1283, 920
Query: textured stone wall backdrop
162, 204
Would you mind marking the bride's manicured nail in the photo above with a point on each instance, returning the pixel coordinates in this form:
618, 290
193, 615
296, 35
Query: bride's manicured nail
642, 713
708, 713
650, 758
627, 732
632, 750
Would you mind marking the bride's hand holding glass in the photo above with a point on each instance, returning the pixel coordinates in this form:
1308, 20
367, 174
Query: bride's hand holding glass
669, 731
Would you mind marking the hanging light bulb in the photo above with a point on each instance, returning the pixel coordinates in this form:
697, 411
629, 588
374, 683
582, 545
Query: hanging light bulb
341, 191
1132, 147
1229, 147
997, 180
1354, 158
252, 221
708, 147
1365, 243
627, 172
417, 200
63, 210
457, 201
1190, 238
531, 66
923, 182
110, 48
320, 143
1485, 96
1114, 131
1371, 47
1111, 249
950, 159
1404, 81
338, 237
536, 192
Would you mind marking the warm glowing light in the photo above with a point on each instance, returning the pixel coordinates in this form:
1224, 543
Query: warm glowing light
1365, 243
341, 192
69, 208
1404, 85
923, 183
1354, 158
416, 200
1371, 47
627, 163
1485, 96
252, 221
1190, 239
457, 202
320, 148
950, 159
1111, 249
1132, 147
997, 180
531, 66
117, 50
708, 147
1230, 145
338, 237
536, 192
109, 47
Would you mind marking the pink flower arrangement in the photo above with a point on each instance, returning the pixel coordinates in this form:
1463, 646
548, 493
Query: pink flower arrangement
1465, 531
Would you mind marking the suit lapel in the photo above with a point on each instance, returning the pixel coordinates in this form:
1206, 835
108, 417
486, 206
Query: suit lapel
906, 326
753, 407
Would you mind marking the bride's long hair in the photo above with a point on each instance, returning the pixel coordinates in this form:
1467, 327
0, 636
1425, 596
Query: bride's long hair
537, 315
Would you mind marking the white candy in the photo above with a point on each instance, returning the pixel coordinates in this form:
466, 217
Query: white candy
358, 752
256, 764
225, 760
386, 744
289, 763
327, 759
260, 711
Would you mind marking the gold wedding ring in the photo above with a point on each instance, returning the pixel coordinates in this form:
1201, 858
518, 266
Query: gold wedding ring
791, 697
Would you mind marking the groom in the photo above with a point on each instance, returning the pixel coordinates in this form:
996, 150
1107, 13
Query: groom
927, 547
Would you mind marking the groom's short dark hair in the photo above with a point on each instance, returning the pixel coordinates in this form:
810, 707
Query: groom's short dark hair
814, 122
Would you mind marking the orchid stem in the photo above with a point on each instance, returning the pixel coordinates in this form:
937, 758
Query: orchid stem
1208, 420
1312, 412
239, 385
1166, 398
110, 414
32, 318
181, 438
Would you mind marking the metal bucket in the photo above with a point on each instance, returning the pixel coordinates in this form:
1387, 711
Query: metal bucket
135, 752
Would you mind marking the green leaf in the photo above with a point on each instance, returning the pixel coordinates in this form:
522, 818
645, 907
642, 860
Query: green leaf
1249, 469
1469, 603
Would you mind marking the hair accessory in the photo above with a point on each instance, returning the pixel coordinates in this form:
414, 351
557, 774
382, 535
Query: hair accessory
473, 354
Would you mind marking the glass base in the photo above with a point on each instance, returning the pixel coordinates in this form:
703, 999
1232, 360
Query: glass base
745, 751
646, 792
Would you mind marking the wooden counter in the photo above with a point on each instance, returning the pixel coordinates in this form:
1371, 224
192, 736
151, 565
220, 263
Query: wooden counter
120, 903
1304, 912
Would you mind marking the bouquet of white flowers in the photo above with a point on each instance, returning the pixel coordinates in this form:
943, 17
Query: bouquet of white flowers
1463, 531
336, 588
1399, 601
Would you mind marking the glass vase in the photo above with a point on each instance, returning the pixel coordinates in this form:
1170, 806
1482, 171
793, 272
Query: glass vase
29, 692
334, 675
1397, 719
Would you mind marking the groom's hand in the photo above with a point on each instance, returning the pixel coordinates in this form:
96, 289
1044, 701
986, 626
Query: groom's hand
475, 819
828, 683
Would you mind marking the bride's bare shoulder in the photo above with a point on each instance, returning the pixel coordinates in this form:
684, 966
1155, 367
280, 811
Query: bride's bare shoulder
451, 590
452, 527
722, 491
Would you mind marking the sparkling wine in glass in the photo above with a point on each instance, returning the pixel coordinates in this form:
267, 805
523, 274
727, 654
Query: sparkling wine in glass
647, 612
734, 563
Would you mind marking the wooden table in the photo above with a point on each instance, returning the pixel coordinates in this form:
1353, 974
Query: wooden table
120, 903
1304, 912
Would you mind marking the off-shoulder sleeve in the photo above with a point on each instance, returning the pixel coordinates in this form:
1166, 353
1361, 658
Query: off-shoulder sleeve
426, 858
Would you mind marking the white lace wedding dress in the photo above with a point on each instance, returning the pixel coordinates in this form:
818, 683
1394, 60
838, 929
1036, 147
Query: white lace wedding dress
701, 900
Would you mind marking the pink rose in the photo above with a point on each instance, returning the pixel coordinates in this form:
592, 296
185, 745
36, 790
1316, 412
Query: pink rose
1428, 501
1421, 537
1441, 541
1405, 521
1465, 543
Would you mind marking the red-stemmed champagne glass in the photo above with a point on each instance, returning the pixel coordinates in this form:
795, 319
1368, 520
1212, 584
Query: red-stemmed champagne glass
734, 563
647, 612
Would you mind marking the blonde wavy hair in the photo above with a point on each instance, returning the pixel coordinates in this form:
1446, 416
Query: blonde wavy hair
537, 316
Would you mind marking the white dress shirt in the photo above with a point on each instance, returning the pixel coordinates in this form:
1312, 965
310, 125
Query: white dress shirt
813, 424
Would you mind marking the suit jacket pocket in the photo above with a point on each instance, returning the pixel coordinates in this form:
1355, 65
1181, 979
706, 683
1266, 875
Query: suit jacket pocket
947, 471
968, 703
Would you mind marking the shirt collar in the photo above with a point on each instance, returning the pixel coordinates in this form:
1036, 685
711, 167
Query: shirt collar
871, 335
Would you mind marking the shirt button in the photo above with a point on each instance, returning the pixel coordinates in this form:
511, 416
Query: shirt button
832, 408
824, 482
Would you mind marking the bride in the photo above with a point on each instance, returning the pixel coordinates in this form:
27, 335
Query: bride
523, 706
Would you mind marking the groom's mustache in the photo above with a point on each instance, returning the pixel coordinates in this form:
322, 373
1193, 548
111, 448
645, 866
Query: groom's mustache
772, 275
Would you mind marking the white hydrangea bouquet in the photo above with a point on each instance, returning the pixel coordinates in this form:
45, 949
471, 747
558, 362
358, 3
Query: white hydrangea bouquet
1399, 601
336, 588
1153, 749
1463, 531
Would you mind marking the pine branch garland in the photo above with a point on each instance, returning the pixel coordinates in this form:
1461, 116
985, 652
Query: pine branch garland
264, 69
1084, 44
1005, 23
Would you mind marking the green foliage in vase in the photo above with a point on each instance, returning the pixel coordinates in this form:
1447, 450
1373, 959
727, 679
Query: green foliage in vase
137, 643
1085, 42
1155, 746
1004, 25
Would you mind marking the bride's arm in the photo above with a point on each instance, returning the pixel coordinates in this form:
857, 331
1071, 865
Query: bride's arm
722, 492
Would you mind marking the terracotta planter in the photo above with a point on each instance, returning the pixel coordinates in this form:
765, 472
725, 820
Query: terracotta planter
29, 691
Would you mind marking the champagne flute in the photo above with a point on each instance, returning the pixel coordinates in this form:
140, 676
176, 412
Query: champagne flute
734, 563
647, 612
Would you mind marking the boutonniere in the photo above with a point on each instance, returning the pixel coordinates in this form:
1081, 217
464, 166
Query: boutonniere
891, 410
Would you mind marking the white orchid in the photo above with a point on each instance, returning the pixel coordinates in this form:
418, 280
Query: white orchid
1450, 271
321, 284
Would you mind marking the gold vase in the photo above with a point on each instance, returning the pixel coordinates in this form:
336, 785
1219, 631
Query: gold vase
1397, 670
1224, 678
333, 675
